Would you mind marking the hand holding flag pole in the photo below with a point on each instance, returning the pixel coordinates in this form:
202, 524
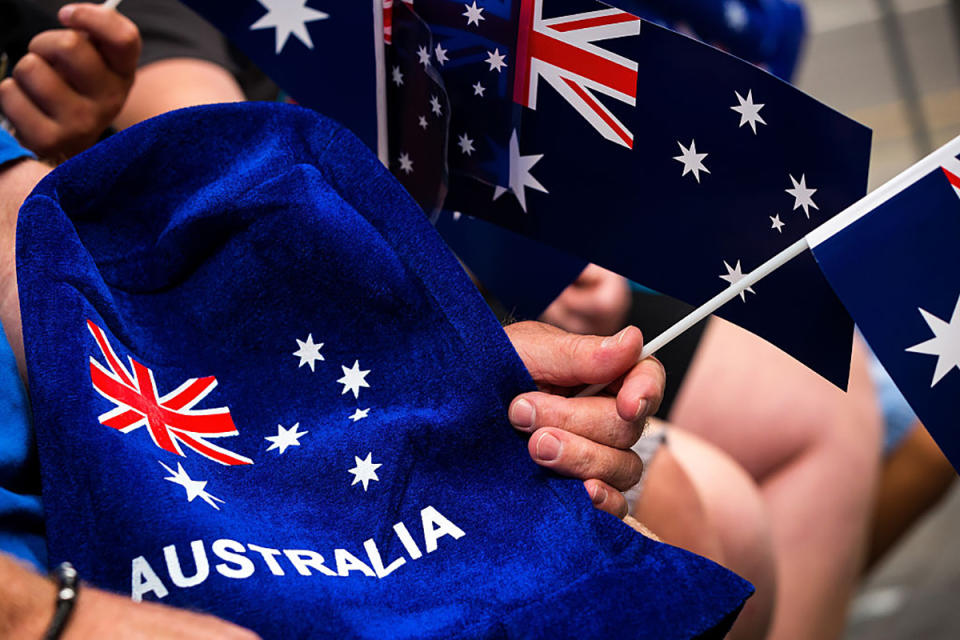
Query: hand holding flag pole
812, 239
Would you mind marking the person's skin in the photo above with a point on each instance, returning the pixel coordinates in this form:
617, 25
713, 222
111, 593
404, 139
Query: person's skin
27, 604
67, 90
812, 450
596, 302
587, 438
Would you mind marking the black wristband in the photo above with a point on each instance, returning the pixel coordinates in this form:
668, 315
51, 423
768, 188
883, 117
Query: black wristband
67, 587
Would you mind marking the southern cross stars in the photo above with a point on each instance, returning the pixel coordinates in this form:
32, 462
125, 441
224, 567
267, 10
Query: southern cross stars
478, 89
441, 54
285, 438
365, 471
288, 17
353, 378
691, 160
777, 224
473, 14
308, 352
945, 344
466, 144
749, 112
435, 105
520, 176
360, 414
424, 54
397, 76
423, 124
194, 488
495, 60
735, 275
803, 196
406, 164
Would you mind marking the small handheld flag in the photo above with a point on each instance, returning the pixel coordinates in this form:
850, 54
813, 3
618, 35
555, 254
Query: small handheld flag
893, 261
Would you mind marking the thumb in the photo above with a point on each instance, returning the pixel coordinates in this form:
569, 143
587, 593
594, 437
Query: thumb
557, 358
115, 35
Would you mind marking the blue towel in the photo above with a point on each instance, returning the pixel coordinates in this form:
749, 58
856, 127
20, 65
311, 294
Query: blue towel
263, 388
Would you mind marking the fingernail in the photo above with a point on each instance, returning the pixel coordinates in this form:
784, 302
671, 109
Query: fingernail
522, 414
548, 448
641, 408
65, 12
599, 495
612, 341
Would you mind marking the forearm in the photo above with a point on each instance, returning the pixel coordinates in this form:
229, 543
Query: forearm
16, 182
26, 600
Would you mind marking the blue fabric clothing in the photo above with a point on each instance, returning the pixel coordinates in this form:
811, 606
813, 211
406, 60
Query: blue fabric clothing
178, 282
21, 510
10, 149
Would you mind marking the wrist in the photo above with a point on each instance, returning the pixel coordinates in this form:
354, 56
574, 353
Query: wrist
26, 601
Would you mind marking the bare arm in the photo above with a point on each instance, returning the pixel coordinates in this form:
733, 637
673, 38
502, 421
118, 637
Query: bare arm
16, 182
27, 603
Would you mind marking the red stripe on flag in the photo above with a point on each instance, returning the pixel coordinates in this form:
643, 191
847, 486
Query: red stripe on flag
954, 179
617, 129
521, 76
599, 21
584, 63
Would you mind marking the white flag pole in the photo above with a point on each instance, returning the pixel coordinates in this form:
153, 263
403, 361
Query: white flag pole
945, 155
714, 303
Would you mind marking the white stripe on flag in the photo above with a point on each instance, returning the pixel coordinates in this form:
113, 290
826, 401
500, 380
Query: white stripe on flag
945, 156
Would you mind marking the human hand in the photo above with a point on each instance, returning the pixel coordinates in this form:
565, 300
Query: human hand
587, 438
65, 92
596, 303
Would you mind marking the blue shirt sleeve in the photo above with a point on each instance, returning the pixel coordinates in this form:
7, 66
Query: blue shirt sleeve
21, 511
10, 149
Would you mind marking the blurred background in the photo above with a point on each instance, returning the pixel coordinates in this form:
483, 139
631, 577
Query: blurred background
894, 65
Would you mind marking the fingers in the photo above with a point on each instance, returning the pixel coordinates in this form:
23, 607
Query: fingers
593, 418
606, 498
556, 358
572, 455
36, 130
73, 55
115, 35
640, 392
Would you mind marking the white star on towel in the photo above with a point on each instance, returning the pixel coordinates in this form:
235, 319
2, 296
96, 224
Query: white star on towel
360, 414
308, 352
424, 54
397, 76
288, 17
441, 54
285, 438
194, 488
945, 344
353, 378
365, 471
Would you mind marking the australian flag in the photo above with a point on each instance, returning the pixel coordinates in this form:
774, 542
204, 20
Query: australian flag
628, 145
264, 389
326, 55
894, 262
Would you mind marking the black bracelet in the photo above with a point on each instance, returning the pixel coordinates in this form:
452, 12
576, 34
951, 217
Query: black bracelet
67, 587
